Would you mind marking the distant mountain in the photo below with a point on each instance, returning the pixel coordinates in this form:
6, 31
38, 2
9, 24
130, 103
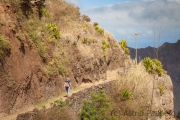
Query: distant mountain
169, 55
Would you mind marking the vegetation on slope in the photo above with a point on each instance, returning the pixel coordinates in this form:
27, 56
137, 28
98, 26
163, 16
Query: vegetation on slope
153, 66
50, 29
60, 111
40, 26
123, 44
129, 98
4, 46
98, 108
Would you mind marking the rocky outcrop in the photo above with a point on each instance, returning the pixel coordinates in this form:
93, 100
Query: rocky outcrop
156, 104
26, 76
75, 99
39, 61
28, 115
169, 55
163, 100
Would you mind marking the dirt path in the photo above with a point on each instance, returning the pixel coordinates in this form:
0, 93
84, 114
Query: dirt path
111, 75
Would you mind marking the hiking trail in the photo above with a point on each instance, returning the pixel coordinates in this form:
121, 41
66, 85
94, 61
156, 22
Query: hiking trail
111, 75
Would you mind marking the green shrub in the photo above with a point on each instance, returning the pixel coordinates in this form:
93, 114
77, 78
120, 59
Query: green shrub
88, 111
160, 71
153, 66
4, 46
123, 44
95, 24
61, 69
99, 30
127, 51
74, 43
125, 95
148, 64
42, 49
105, 45
96, 27
91, 40
20, 37
97, 108
157, 62
45, 12
53, 30
33, 35
85, 40
48, 70
59, 103
161, 89
104, 54
160, 112
86, 18
94, 41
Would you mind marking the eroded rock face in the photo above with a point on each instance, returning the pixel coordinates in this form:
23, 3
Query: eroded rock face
163, 100
23, 80
169, 55
158, 105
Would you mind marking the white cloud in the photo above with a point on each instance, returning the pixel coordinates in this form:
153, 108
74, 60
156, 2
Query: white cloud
75, 2
122, 19
176, 1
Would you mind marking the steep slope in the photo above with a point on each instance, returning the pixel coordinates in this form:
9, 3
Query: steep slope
42, 44
169, 54
146, 100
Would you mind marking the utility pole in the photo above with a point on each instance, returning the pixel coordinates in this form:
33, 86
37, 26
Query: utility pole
157, 38
136, 40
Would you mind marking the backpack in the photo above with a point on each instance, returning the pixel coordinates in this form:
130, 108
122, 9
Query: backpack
67, 83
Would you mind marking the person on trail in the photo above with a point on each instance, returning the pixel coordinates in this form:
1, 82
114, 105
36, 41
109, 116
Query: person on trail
67, 86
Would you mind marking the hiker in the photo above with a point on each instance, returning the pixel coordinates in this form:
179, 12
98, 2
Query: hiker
67, 86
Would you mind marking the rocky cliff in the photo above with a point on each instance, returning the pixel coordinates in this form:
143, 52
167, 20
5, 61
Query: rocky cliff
169, 55
147, 100
41, 44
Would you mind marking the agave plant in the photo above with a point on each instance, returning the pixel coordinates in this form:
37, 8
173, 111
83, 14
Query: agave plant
126, 94
157, 62
148, 63
123, 44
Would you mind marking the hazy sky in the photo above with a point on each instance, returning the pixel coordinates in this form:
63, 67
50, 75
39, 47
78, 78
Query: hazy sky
122, 18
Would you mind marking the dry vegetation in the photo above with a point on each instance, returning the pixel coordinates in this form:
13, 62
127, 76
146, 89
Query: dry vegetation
54, 31
56, 113
132, 93
130, 99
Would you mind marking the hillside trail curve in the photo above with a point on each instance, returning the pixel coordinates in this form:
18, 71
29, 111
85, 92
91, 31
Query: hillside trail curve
111, 75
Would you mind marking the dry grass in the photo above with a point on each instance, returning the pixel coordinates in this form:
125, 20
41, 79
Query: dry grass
68, 20
140, 85
56, 113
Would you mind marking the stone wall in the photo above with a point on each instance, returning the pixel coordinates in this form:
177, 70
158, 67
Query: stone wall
77, 98
159, 101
